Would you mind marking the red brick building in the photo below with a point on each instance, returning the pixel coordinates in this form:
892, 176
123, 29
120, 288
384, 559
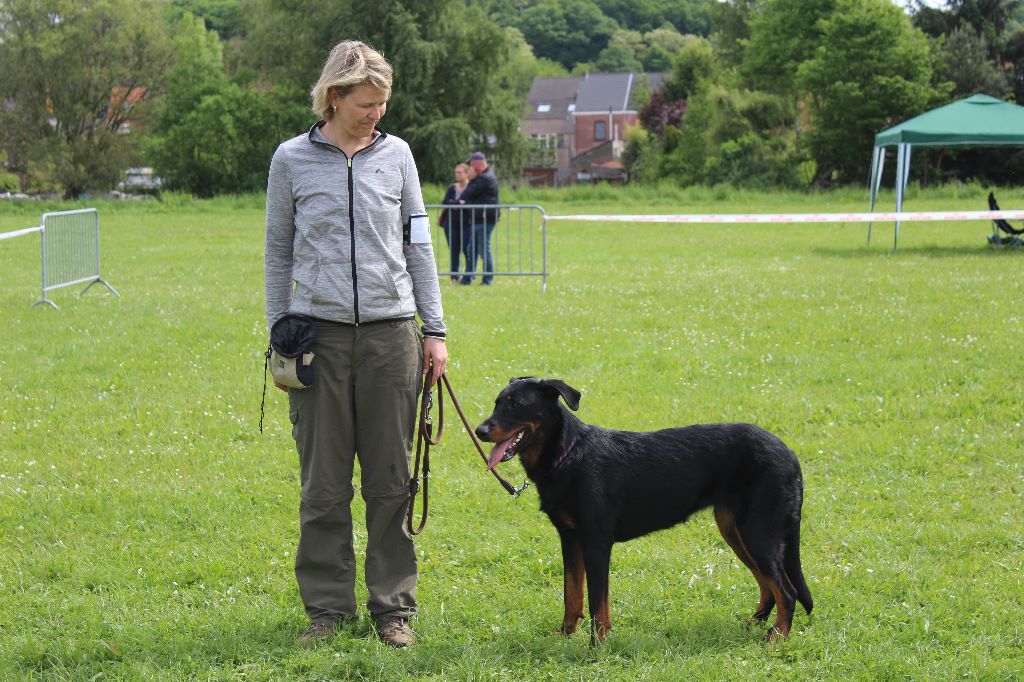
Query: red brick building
579, 125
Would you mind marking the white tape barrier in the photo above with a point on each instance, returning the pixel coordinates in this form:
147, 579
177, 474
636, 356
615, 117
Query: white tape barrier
799, 217
18, 233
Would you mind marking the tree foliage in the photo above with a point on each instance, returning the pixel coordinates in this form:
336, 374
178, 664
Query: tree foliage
784, 91
979, 44
76, 77
210, 135
871, 70
222, 16
783, 35
566, 31
456, 72
694, 63
963, 60
684, 16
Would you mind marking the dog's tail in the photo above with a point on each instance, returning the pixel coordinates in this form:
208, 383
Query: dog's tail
791, 563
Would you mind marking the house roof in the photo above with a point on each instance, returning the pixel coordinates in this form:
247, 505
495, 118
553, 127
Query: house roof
604, 91
551, 97
600, 92
594, 92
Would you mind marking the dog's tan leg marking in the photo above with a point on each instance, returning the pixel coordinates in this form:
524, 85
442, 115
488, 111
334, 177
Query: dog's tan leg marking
603, 618
783, 616
575, 576
727, 526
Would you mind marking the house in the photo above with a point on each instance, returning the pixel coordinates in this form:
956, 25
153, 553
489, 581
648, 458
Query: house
121, 105
579, 125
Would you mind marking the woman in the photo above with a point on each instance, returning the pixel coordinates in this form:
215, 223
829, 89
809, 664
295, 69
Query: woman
451, 221
338, 198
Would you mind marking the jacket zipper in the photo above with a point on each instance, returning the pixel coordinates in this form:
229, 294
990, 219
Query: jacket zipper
352, 225
352, 235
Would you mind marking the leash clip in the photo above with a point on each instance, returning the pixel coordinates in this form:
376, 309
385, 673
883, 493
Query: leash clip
428, 405
517, 491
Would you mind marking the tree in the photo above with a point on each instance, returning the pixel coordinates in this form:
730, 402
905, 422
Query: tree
659, 114
685, 16
641, 155
223, 16
209, 135
976, 45
75, 77
871, 70
730, 29
660, 46
694, 63
783, 35
618, 58
989, 19
964, 61
566, 31
451, 65
1015, 55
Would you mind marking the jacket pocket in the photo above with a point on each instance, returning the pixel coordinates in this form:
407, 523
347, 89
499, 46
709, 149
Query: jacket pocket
377, 288
333, 283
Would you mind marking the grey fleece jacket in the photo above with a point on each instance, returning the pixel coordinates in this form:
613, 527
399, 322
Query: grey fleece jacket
335, 228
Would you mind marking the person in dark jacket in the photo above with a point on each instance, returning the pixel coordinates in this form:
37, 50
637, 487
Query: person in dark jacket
458, 235
482, 189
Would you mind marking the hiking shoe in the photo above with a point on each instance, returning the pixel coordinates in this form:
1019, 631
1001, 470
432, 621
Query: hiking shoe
396, 632
316, 632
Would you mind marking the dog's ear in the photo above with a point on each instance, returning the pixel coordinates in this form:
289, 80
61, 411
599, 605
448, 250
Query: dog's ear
569, 394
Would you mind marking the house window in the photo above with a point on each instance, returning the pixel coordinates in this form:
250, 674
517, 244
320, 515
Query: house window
543, 108
600, 130
543, 154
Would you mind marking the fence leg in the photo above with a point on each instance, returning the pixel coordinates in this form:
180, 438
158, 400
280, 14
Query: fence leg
104, 283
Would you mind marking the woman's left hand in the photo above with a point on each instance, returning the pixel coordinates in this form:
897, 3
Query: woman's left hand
435, 358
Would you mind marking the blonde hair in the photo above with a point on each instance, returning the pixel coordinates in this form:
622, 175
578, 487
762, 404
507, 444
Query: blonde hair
350, 64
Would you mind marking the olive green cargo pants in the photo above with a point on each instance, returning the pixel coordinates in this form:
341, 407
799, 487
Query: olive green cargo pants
362, 404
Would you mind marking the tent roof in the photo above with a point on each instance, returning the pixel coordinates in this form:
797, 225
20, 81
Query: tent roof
978, 120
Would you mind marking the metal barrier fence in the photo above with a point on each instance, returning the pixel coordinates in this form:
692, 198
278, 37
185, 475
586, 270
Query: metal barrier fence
517, 241
70, 250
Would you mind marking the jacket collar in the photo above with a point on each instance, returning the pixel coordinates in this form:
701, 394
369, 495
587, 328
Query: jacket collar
316, 135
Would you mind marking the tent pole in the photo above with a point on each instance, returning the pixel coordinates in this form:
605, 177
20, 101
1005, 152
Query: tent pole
902, 172
877, 163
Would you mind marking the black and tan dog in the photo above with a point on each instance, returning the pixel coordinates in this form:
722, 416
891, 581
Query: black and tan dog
599, 487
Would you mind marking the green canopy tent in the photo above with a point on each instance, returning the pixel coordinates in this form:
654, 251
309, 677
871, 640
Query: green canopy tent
978, 121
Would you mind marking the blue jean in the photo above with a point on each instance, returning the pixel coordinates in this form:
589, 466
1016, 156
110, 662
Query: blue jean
481, 248
457, 233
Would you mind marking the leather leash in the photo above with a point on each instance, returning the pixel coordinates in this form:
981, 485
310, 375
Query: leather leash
426, 438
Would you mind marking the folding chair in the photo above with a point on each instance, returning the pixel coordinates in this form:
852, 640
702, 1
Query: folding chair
999, 224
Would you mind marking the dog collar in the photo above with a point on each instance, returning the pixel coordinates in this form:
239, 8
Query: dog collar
567, 451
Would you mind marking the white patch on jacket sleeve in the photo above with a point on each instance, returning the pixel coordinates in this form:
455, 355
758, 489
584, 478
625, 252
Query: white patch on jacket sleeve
419, 229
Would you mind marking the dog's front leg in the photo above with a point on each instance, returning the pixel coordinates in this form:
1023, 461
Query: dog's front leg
597, 558
575, 575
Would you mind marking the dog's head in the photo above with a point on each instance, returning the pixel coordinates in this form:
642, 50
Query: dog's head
524, 413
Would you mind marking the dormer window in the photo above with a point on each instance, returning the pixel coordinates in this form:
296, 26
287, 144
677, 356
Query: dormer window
543, 108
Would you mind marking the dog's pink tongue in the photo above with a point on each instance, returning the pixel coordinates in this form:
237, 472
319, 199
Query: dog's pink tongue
497, 452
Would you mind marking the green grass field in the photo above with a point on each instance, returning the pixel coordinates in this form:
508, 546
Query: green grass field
147, 528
